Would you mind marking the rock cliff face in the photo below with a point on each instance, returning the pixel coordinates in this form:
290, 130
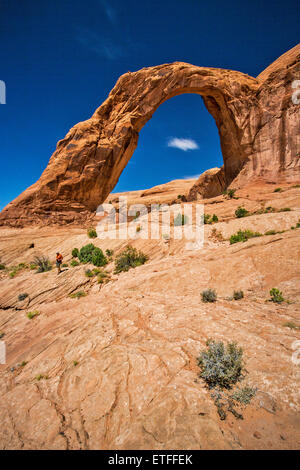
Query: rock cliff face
257, 120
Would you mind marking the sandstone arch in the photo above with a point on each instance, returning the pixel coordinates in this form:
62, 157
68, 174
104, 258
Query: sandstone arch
257, 121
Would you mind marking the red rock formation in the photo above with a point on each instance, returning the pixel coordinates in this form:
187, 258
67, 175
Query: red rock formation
257, 121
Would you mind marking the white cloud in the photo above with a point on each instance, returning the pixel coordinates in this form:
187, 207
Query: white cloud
182, 144
191, 177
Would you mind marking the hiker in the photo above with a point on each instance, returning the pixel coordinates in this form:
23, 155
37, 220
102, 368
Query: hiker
59, 259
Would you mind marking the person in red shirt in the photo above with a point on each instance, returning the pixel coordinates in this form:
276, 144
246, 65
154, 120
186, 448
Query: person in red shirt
59, 259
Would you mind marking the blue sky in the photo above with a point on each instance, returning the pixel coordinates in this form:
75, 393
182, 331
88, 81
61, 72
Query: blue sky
60, 58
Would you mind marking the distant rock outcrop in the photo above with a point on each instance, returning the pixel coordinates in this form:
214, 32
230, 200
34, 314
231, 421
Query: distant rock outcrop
211, 183
258, 124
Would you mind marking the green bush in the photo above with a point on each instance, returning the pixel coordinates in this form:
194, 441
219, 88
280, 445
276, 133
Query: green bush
98, 258
42, 263
238, 294
209, 295
215, 218
271, 232
92, 233
74, 263
32, 314
2, 267
285, 209
85, 254
243, 236
64, 265
230, 193
89, 273
244, 395
109, 253
129, 258
22, 296
207, 219
277, 190
180, 219
291, 325
75, 253
276, 296
78, 295
298, 224
241, 212
221, 366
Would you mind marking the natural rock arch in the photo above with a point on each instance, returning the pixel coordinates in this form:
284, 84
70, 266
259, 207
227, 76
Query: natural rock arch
257, 120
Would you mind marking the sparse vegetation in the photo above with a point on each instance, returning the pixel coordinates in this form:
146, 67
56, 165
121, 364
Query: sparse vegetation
23, 364
74, 263
92, 233
209, 295
22, 297
109, 253
285, 209
31, 315
2, 267
78, 294
75, 363
42, 263
65, 265
238, 295
41, 376
241, 212
291, 325
103, 277
89, 273
243, 236
138, 229
1, 334
217, 235
75, 253
230, 193
180, 219
244, 395
210, 219
129, 258
277, 190
276, 296
271, 232
221, 366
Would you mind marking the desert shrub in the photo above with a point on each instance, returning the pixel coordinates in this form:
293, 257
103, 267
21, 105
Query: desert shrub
109, 253
230, 193
207, 219
221, 366
241, 212
277, 190
1, 334
243, 236
2, 267
85, 254
98, 258
180, 219
64, 265
42, 263
41, 376
276, 296
238, 294
244, 395
129, 258
91, 254
75, 363
78, 295
23, 363
298, 224
75, 253
138, 229
103, 277
215, 218
285, 209
89, 273
217, 234
209, 295
92, 233
179, 196
291, 325
32, 314
74, 263
22, 296
269, 209
271, 232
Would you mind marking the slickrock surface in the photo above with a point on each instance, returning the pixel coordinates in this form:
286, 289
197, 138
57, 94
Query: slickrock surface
257, 120
136, 339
